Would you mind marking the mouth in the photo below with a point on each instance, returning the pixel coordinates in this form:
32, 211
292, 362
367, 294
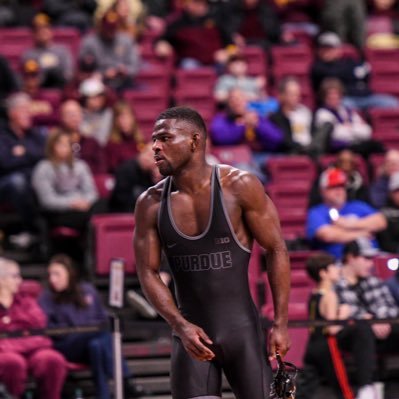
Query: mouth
158, 159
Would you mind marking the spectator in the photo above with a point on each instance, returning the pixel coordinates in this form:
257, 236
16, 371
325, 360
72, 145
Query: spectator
33, 354
346, 127
383, 12
295, 120
379, 187
356, 188
70, 303
255, 22
43, 110
254, 87
367, 296
65, 188
56, 62
86, 148
337, 221
132, 178
21, 147
126, 139
132, 14
238, 125
198, 36
354, 75
115, 53
7, 13
323, 351
389, 238
71, 13
97, 115
347, 19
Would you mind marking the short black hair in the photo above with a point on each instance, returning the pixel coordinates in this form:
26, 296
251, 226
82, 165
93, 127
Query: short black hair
352, 248
187, 114
317, 262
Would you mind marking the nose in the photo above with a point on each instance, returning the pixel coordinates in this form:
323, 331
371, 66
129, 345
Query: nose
155, 146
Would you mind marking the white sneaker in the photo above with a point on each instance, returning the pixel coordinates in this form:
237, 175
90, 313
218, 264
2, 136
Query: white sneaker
367, 392
139, 303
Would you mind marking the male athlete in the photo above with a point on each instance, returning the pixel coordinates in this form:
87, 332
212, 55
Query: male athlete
205, 219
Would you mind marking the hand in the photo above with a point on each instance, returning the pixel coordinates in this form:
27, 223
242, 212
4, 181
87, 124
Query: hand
381, 331
193, 339
18, 150
163, 49
251, 119
279, 341
80, 204
346, 222
110, 73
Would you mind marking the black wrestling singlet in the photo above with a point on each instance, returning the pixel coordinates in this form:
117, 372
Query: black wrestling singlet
211, 281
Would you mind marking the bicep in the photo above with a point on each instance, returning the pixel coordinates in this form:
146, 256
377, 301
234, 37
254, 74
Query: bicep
261, 217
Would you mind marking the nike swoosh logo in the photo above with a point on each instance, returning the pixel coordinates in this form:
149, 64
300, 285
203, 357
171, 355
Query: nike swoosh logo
171, 245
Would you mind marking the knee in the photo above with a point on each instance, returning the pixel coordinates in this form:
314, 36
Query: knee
96, 345
19, 182
14, 364
48, 361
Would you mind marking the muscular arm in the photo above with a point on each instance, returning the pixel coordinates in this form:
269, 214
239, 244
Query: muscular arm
261, 218
147, 248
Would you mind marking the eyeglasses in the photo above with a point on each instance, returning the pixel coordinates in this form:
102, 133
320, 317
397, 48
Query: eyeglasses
283, 385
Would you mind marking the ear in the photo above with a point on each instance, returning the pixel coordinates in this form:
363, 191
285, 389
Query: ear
194, 141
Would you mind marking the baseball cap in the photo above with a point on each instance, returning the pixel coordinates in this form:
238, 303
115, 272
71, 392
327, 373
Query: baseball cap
393, 184
329, 39
91, 87
41, 20
361, 247
332, 177
30, 67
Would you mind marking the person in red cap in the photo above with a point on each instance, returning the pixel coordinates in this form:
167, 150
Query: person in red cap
337, 221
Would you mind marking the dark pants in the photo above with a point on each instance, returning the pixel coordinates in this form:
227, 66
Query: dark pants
94, 349
15, 189
319, 362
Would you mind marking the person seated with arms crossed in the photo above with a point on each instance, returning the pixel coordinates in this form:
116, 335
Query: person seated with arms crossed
337, 221
25, 355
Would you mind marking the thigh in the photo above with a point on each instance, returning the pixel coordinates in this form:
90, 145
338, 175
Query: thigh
192, 378
245, 363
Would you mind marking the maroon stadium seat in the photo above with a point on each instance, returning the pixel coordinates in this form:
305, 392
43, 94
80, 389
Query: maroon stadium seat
298, 168
112, 237
233, 155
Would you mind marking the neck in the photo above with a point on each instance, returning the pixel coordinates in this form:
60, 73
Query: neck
325, 285
193, 178
6, 298
349, 275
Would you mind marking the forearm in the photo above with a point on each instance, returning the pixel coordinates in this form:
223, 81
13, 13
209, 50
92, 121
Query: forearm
161, 298
336, 234
279, 280
372, 223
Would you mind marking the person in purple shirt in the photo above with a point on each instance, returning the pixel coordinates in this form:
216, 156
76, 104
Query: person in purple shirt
337, 221
70, 303
239, 125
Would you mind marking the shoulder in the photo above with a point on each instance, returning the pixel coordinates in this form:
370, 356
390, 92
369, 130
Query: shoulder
359, 205
149, 200
243, 185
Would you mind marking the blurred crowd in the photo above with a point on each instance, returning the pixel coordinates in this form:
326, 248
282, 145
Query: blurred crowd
77, 100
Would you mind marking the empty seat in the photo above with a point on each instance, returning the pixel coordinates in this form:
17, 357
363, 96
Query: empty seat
256, 60
68, 37
292, 223
233, 155
385, 120
298, 168
294, 195
384, 266
105, 183
199, 81
112, 237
